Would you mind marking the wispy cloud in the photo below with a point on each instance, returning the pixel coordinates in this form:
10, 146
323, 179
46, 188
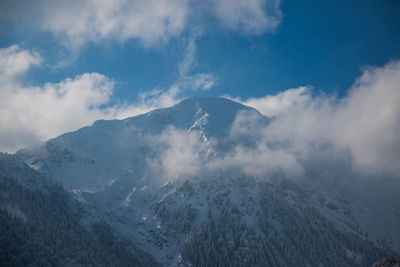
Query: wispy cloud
248, 17
189, 57
188, 80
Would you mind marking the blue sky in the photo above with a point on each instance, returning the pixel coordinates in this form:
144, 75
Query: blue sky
324, 44
240, 49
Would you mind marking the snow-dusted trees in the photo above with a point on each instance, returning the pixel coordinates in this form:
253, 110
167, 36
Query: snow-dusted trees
42, 228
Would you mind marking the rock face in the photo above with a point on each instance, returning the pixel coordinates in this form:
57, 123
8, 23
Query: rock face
124, 173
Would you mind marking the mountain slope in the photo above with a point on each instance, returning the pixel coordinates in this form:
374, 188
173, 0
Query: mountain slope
149, 178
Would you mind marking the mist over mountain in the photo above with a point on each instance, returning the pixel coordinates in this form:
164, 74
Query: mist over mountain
208, 182
198, 128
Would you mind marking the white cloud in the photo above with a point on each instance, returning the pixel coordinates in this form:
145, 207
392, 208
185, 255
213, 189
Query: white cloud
180, 153
14, 60
365, 122
368, 120
273, 105
249, 17
198, 81
260, 160
32, 114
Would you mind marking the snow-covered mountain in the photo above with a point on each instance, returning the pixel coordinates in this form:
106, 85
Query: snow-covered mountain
91, 157
146, 176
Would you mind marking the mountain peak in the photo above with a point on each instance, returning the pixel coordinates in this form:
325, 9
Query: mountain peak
213, 105
211, 101
216, 114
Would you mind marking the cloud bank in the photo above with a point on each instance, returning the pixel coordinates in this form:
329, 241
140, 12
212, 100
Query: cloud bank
307, 131
365, 124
